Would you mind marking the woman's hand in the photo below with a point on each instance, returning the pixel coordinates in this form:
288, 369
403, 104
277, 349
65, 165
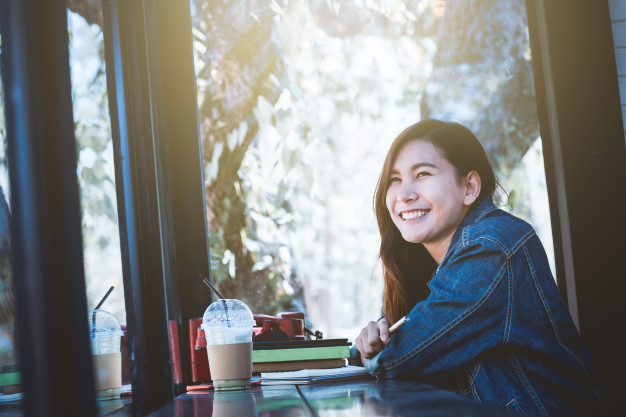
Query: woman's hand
373, 338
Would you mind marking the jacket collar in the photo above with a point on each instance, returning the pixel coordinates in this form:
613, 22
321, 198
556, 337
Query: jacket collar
476, 213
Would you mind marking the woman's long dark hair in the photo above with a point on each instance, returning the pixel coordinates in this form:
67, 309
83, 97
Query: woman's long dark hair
407, 267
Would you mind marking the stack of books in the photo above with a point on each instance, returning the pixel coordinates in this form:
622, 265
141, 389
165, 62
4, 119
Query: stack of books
294, 355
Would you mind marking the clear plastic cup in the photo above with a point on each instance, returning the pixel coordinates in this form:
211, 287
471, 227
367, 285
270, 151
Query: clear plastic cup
227, 326
105, 336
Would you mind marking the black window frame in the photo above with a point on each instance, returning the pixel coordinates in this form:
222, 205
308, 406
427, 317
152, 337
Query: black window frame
152, 97
585, 159
160, 191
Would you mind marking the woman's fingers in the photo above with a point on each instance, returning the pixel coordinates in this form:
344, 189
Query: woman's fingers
362, 344
359, 346
368, 342
383, 328
373, 337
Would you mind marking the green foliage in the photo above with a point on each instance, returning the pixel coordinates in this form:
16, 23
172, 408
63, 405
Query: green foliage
7, 313
273, 131
239, 80
298, 102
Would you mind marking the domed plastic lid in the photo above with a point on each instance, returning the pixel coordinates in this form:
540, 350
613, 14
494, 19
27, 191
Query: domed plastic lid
102, 322
228, 313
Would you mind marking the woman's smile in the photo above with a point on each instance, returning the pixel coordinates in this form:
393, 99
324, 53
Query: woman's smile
413, 214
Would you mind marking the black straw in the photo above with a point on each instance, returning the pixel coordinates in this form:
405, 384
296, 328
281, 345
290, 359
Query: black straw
226, 311
207, 282
93, 315
104, 298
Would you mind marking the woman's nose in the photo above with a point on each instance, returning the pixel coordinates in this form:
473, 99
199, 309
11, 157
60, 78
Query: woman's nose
406, 193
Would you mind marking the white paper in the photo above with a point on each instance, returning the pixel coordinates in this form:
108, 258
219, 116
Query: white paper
306, 376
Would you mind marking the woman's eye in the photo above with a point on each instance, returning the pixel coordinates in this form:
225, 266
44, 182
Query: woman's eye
422, 174
394, 179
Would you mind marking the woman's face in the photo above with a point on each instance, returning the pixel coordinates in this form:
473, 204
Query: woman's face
426, 199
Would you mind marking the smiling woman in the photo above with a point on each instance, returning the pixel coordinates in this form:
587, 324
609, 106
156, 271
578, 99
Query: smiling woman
435, 178
449, 149
484, 315
426, 198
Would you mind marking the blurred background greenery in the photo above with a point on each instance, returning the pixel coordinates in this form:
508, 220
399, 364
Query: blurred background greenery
298, 102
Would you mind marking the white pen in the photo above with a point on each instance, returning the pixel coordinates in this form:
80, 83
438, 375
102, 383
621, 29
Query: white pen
397, 324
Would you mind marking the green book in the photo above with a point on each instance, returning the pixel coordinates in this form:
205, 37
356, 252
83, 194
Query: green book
300, 354
10, 378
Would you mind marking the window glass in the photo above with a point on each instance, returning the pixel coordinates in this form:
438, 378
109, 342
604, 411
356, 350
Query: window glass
298, 103
97, 190
617, 10
96, 173
9, 372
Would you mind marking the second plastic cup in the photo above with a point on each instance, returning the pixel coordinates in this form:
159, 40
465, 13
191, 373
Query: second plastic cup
106, 332
227, 326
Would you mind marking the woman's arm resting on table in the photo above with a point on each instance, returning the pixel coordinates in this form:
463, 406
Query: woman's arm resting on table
464, 315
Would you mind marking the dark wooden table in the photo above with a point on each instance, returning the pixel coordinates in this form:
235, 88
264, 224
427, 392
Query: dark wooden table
365, 397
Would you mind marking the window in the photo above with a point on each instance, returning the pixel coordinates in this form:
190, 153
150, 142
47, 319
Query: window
618, 24
96, 171
298, 103
9, 370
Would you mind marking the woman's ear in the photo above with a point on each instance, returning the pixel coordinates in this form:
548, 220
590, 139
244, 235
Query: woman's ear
472, 188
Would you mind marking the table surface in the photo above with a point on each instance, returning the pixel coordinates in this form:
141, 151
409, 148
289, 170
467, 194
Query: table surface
363, 397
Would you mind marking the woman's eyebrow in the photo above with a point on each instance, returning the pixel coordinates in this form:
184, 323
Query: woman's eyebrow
422, 164
416, 166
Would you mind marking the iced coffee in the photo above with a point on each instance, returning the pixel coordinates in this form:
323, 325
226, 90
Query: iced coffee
227, 326
105, 335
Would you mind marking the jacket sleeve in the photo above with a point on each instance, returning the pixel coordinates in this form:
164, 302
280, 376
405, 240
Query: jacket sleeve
465, 315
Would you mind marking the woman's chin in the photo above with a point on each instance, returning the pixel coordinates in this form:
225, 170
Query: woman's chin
412, 237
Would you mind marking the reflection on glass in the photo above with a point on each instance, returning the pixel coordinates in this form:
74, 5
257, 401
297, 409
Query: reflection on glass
235, 403
298, 103
390, 398
484, 80
10, 387
96, 173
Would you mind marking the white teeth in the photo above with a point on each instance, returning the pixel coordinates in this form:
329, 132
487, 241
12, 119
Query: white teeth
411, 215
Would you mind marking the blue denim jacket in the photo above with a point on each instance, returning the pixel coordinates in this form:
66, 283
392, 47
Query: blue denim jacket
494, 326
